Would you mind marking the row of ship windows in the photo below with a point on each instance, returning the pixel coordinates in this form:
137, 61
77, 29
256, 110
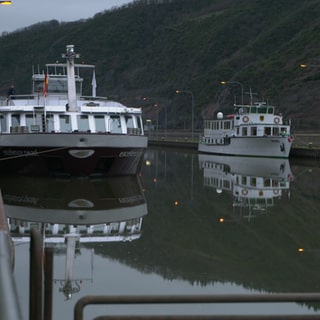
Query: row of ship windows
227, 125
217, 125
267, 131
113, 228
64, 123
243, 181
250, 132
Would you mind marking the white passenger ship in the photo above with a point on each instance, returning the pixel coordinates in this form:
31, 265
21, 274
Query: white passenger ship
253, 130
254, 182
57, 130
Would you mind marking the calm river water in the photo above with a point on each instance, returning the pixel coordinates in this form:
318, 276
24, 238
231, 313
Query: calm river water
189, 224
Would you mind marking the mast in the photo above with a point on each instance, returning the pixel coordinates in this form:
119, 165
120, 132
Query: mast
70, 55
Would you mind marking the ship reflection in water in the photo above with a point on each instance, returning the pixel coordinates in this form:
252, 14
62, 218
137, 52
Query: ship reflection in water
255, 183
71, 212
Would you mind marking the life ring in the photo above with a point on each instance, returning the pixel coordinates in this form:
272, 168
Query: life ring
245, 119
244, 192
290, 139
276, 120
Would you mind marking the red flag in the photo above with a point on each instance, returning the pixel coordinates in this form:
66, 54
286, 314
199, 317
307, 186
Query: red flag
45, 84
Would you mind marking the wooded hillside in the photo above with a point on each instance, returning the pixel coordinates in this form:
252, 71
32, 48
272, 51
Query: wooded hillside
152, 48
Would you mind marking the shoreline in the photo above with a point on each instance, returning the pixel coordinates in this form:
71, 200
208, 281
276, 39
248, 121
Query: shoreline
304, 146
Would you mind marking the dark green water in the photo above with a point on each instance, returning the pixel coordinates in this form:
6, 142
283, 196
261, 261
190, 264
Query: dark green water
191, 224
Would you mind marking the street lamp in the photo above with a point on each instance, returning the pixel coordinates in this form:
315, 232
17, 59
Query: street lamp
235, 82
151, 101
192, 107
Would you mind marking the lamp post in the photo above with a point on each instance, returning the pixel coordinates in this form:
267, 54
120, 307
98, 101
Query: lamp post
235, 82
192, 108
151, 101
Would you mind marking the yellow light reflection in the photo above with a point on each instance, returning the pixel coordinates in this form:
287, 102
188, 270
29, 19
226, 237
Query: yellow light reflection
176, 203
301, 250
5, 2
221, 220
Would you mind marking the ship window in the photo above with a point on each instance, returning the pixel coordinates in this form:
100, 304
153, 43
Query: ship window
244, 180
267, 131
83, 123
283, 183
263, 110
30, 120
129, 122
226, 184
254, 131
253, 181
275, 131
115, 125
267, 183
50, 123
3, 123
227, 125
270, 110
100, 123
57, 85
245, 131
15, 120
139, 120
253, 109
65, 123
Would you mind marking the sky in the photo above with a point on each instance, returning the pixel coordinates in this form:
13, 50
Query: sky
24, 13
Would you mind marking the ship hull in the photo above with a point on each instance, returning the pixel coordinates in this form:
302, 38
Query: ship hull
274, 147
74, 154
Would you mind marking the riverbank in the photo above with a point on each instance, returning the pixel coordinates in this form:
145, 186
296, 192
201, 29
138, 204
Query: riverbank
305, 145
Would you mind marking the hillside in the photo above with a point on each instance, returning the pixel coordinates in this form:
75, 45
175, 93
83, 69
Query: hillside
152, 48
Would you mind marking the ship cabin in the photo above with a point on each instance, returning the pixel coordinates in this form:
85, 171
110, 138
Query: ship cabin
112, 118
47, 109
247, 121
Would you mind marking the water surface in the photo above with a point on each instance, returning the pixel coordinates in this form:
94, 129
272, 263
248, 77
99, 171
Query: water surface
189, 224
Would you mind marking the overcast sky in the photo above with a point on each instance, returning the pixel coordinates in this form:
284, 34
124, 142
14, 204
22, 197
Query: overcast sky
23, 13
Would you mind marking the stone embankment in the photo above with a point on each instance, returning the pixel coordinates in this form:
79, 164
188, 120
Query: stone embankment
305, 144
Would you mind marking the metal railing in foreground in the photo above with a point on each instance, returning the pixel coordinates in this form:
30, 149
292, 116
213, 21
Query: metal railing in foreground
9, 305
200, 299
